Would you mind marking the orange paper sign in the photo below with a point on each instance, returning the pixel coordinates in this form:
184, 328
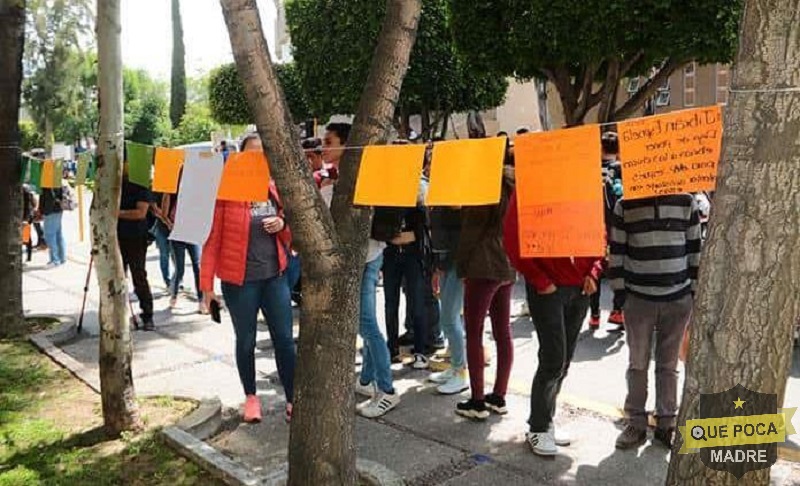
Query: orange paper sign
389, 175
168, 164
671, 154
467, 172
560, 193
26, 233
51, 176
245, 178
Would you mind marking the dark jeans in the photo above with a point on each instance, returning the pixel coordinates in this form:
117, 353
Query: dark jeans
558, 318
134, 257
594, 300
165, 250
493, 297
39, 234
179, 250
272, 298
401, 262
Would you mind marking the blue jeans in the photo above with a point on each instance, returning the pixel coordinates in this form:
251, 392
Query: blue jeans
451, 296
377, 363
179, 250
55, 238
271, 297
160, 233
404, 262
293, 271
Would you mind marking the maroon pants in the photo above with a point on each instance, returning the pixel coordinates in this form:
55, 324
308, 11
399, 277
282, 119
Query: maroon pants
482, 296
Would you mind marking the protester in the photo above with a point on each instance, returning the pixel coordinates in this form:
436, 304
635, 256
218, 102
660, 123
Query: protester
313, 150
333, 143
405, 258
179, 249
488, 280
160, 230
28, 214
655, 256
132, 233
558, 297
612, 192
248, 249
52, 211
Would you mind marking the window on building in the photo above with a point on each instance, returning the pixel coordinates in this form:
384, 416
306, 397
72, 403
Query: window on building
633, 85
689, 84
723, 81
662, 99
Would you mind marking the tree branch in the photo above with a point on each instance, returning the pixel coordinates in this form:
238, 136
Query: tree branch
668, 67
585, 94
606, 94
569, 100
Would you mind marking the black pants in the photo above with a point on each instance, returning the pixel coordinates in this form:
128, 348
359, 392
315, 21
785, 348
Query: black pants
558, 318
404, 262
39, 234
594, 301
134, 257
431, 312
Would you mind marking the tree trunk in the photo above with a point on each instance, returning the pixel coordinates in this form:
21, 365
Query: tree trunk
544, 107
116, 377
749, 294
177, 101
48, 136
647, 91
12, 38
322, 447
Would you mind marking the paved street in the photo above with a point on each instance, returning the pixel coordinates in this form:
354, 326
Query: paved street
189, 355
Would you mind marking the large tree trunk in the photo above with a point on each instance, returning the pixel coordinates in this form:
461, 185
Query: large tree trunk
332, 243
12, 38
177, 101
749, 295
116, 377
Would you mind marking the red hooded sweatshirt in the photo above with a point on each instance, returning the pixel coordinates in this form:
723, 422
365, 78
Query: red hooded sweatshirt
543, 272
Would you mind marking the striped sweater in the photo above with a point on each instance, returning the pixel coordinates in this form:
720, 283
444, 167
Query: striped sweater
655, 247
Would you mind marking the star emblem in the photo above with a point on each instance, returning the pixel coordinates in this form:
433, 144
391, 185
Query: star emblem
738, 403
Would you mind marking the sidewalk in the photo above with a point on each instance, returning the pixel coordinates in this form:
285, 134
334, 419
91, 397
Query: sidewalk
191, 356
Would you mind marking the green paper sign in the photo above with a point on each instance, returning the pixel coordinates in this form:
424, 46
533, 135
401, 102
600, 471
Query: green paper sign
84, 160
24, 168
140, 163
35, 175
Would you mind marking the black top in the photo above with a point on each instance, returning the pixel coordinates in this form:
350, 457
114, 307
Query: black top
262, 249
132, 194
50, 201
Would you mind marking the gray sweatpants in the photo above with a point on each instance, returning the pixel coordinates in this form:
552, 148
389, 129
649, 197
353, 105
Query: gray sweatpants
667, 321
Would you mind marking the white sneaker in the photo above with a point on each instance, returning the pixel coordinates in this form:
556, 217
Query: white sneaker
542, 443
457, 383
420, 362
367, 390
378, 406
561, 438
442, 377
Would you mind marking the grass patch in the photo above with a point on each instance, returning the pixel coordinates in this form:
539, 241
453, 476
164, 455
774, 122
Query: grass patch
51, 431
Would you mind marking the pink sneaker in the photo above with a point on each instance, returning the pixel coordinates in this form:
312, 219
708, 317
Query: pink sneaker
252, 409
288, 416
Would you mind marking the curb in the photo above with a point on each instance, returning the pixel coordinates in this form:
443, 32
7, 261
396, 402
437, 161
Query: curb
48, 341
227, 470
205, 421
369, 470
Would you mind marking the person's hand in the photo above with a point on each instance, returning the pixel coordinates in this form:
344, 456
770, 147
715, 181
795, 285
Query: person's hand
273, 224
551, 289
589, 286
209, 297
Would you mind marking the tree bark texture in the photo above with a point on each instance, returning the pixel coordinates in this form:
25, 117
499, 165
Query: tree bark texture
331, 243
12, 40
749, 293
177, 100
116, 353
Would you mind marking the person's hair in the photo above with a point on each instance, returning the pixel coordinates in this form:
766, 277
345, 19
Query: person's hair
314, 144
610, 143
342, 130
502, 133
523, 130
246, 140
223, 143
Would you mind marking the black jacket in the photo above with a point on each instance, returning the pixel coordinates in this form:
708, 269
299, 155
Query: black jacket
50, 201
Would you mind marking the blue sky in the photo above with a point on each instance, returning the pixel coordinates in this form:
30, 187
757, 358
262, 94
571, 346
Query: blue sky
147, 34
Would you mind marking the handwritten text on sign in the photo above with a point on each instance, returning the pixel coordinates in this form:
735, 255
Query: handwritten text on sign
560, 215
671, 154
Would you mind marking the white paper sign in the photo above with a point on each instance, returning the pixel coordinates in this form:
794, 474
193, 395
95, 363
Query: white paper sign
202, 172
62, 152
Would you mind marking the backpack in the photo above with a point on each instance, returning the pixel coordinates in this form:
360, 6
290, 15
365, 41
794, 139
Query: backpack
68, 200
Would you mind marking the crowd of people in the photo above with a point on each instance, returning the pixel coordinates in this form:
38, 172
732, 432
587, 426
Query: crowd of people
456, 266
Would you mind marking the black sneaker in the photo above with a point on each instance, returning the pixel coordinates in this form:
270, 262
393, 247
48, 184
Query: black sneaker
473, 409
406, 339
148, 325
665, 436
496, 404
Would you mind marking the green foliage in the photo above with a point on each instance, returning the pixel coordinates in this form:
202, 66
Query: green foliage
55, 62
537, 38
146, 108
30, 136
196, 126
228, 101
334, 47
